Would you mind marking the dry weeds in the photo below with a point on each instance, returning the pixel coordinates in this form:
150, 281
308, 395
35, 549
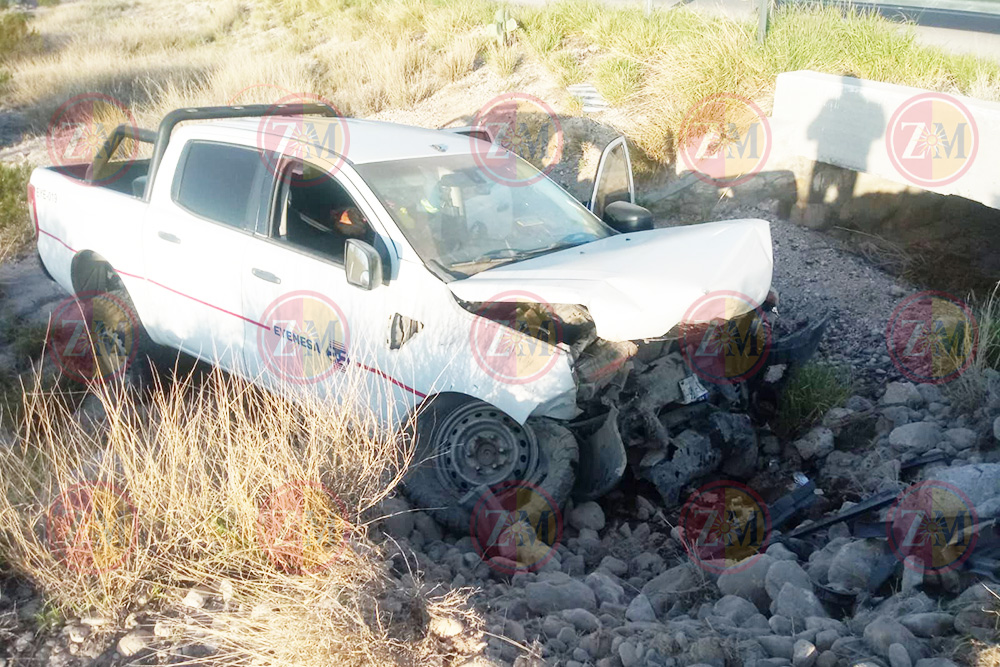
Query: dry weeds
216, 484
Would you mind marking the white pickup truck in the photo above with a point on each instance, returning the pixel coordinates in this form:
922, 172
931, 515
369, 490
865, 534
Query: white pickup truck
400, 272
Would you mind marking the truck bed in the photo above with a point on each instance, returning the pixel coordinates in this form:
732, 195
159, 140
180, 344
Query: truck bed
128, 177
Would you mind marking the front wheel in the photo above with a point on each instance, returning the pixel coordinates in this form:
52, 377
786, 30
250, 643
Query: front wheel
466, 447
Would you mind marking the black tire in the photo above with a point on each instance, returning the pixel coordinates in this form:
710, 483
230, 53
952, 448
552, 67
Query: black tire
554, 472
130, 359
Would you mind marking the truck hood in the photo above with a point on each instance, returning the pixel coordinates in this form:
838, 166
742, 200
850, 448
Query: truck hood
638, 285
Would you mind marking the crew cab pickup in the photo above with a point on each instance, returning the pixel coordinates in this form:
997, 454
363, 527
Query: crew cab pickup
394, 264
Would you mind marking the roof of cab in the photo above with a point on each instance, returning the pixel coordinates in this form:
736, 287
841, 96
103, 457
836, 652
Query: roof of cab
369, 140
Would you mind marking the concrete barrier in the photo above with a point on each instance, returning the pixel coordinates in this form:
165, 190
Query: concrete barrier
946, 144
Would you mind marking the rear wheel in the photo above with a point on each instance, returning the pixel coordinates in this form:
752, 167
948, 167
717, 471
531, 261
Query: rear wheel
121, 343
465, 447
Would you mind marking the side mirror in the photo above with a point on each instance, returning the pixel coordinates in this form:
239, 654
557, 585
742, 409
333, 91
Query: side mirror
362, 264
625, 217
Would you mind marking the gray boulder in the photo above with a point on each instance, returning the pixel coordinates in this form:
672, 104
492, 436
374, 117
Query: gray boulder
748, 582
545, 597
815, 444
582, 620
858, 404
640, 610
898, 657
852, 565
979, 482
587, 515
735, 608
605, 588
961, 438
902, 393
917, 438
804, 654
931, 393
989, 509
929, 624
399, 519
778, 647
883, 632
667, 588
785, 572
935, 662
797, 604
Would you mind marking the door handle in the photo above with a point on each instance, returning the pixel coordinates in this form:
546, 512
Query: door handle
266, 275
167, 236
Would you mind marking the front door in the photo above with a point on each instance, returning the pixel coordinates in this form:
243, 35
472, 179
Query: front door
306, 328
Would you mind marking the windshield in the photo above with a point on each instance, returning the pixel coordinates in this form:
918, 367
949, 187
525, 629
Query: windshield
461, 222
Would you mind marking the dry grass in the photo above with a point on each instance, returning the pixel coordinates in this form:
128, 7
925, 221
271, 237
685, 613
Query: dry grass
154, 57
369, 55
217, 484
985, 654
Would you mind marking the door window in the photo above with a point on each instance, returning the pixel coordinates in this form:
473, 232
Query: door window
220, 182
315, 213
613, 181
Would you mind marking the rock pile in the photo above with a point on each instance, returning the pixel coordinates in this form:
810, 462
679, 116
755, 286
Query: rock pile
620, 591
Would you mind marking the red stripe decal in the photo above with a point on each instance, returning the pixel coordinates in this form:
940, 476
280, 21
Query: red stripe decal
376, 371
42, 231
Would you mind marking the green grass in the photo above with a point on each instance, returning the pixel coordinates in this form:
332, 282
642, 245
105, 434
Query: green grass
662, 65
969, 391
812, 390
619, 78
988, 319
16, 230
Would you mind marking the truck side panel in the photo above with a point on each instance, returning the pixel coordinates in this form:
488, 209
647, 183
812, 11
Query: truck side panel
74, 217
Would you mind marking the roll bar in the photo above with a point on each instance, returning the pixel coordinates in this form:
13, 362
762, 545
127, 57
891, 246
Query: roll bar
161, 137
115, 139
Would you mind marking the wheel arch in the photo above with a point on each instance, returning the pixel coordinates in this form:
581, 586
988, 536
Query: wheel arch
89, 272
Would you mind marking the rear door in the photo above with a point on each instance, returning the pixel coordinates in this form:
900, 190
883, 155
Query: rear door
613, 181
195, 236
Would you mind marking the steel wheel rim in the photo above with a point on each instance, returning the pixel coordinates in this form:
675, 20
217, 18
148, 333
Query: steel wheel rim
479, 445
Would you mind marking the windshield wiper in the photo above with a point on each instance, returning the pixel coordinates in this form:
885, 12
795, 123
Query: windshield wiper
492, 257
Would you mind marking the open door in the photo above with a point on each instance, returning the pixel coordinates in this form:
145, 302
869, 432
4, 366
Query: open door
613, 181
